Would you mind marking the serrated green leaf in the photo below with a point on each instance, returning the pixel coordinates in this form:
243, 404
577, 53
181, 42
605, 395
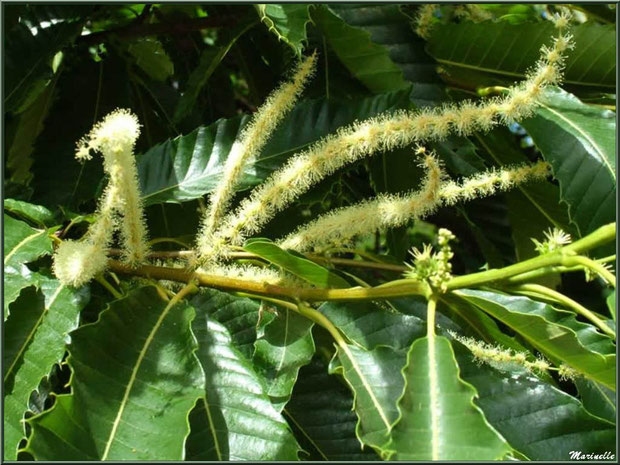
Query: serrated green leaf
22, 244
390, 28
284, 347
497, 48
299, 266
438, 419
190, 166
149, 54
236, 420
19, 156
579, 142
287, 21
35, 213
536, 418
551, 331
375, 379
241, 316
597, 399
366, 60
371, 324
135, 380
35, 337
321, 411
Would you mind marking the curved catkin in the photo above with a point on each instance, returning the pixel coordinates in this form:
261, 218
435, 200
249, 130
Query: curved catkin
492, 181
343, 225
251, 141
77, 262
382, 134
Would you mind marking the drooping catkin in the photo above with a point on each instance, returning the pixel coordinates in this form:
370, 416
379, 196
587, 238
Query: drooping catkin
386, 211
384, 133
77, 262
252, 140
340, 227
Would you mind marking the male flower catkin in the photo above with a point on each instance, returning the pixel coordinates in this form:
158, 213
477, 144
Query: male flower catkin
250, 143
385, 133
341, 226
77, 262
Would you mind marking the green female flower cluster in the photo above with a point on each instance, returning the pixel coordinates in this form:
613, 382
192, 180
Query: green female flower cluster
433, 267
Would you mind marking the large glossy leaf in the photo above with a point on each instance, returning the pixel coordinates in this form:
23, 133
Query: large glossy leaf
240, 316
299, 266
579, 142
235, 420
284, 346
35, 213
498, 48
321, 412
553, 332
536, 418
375, 379
371, 324
29, 53
597, 399
135, 380
438, 419
34, 340
367, 61
190, 166
22, 244
287, 22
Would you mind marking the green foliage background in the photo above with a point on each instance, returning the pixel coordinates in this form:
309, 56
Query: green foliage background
218, 376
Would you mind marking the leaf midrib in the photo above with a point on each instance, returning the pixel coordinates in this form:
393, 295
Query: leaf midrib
32, 331
598, 149
132, 378
20, 244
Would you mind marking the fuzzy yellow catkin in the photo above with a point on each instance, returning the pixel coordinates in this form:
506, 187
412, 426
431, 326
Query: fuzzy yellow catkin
500, 358
340, 227
252, 140
489, 182
423, 22
386, 211
77, 262
382, 134
115, 137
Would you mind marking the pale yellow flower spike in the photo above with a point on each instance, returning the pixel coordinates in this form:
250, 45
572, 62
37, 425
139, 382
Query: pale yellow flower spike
343, 225
77, 262
423, 21
248, 146
489, 182
382, 134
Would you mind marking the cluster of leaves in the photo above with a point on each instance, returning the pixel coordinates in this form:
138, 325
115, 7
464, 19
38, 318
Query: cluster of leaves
122, 371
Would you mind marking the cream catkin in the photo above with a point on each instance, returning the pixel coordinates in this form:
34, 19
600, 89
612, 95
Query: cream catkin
501, 358
386, 211
77, 262
340, 227
384, 133
251, 141
423, 22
